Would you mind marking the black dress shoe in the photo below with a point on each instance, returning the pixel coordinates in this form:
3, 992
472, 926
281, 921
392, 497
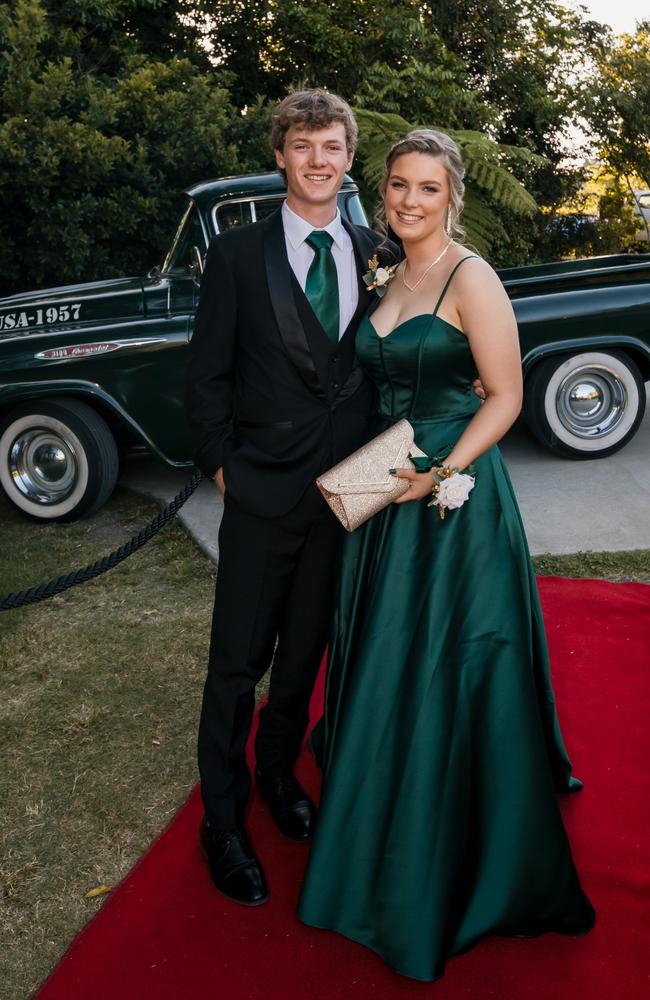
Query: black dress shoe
235, 869
293, 811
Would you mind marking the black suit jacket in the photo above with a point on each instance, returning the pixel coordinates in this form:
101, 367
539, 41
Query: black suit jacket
269, 397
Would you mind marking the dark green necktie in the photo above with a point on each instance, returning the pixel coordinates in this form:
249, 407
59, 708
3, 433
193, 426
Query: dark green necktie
322, 287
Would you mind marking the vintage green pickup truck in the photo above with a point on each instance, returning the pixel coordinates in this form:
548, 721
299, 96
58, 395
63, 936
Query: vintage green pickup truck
87, 370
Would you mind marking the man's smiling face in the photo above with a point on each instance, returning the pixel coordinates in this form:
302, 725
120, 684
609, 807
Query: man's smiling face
315, 163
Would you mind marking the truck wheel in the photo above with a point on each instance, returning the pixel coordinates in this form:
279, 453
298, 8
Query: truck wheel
58, 459
586, 405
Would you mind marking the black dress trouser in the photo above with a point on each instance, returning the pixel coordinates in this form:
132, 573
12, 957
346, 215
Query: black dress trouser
274, 581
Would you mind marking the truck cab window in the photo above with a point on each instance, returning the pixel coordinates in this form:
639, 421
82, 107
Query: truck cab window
266, 207
242, 213
232, 214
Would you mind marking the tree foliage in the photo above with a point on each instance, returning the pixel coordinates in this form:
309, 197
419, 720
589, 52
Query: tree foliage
619, 109
526, 59
109, 108
91, 165
377, 54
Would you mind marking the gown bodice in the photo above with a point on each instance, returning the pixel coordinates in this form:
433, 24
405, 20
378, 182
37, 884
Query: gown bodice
423, 369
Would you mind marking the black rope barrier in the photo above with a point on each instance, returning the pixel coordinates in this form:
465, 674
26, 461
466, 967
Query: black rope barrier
45, 590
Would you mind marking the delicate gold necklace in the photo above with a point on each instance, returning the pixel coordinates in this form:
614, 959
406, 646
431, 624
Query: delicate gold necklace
433, 263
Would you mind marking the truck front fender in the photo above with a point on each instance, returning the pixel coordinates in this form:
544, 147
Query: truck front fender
90, 393
636, 348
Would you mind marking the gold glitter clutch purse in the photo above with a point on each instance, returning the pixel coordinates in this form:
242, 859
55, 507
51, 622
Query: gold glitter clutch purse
361, 484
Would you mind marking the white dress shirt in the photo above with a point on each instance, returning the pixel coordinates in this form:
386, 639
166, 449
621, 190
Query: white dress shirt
296, 231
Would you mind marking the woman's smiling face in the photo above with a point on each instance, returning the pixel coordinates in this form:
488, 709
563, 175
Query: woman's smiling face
417, 196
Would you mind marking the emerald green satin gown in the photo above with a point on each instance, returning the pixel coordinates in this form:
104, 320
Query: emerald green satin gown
439, 822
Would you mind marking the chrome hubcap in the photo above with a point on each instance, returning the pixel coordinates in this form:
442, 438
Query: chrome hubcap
591, 401
43, 465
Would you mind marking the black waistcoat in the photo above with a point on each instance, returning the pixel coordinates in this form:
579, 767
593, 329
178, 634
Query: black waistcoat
335, 363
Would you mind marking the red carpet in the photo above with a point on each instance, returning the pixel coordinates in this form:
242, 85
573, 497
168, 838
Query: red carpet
165, 934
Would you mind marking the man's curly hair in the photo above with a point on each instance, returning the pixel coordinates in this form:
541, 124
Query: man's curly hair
311, 110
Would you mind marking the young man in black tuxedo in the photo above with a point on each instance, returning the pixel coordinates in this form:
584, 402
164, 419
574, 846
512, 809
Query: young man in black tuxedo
274, 398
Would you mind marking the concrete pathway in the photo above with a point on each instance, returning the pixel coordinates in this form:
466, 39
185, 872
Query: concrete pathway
599, 505
201, 514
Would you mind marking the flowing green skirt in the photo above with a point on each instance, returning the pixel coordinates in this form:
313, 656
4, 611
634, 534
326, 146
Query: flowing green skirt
439, 822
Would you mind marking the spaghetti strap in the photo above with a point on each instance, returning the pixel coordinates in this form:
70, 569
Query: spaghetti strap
469, 256
418, 367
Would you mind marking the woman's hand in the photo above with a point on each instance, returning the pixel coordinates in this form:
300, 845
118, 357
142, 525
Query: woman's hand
420, 484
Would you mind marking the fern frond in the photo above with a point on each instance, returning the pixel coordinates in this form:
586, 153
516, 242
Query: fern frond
482, 225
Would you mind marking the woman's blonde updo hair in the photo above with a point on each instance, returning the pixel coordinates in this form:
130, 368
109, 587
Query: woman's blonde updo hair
433, 143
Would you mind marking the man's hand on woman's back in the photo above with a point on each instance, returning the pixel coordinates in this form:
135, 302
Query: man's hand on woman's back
219, 480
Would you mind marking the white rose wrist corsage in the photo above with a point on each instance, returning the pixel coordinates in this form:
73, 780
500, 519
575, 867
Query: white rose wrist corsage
451, 490
451, 487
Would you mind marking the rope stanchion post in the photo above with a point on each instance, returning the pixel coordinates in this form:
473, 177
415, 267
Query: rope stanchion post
62, 583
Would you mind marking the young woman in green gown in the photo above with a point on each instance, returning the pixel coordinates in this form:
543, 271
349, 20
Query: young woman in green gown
439, 822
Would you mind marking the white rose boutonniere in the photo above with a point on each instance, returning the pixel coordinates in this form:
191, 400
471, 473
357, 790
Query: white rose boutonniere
377, 279
452, 490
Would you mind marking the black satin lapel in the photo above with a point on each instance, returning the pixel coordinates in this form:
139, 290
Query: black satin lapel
364, 248
278, 273
363, 242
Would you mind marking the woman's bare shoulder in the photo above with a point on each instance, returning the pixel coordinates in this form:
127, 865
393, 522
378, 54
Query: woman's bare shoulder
475, 276
475, 267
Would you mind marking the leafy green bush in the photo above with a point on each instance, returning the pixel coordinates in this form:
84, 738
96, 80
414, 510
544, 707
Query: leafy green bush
91, 164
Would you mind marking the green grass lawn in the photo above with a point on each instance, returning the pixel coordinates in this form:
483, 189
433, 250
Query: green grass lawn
99, 698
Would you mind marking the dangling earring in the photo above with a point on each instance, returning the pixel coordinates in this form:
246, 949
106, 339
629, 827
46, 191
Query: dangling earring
448, 221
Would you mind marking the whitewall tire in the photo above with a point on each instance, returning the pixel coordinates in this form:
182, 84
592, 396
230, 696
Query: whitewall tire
585, 405
58, 459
